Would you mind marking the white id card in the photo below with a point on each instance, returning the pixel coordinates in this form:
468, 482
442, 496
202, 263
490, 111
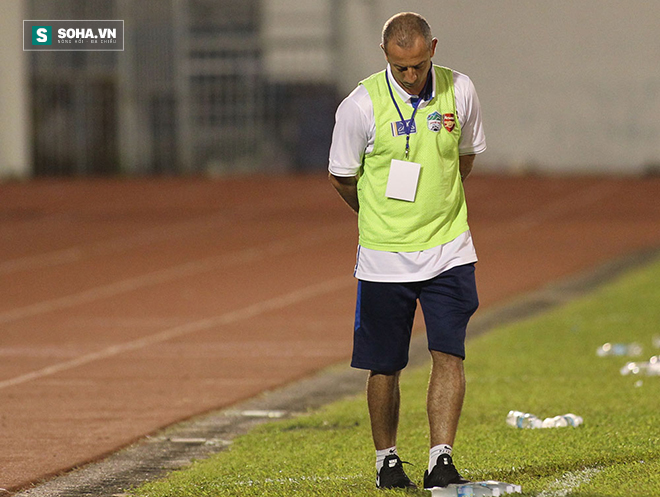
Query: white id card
402, 180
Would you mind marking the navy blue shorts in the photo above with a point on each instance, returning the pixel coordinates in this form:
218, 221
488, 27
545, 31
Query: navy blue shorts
385, 311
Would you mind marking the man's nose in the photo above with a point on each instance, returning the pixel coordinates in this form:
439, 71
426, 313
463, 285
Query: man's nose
410, 76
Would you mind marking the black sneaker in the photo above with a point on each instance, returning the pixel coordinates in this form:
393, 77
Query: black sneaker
392, 475
443, 473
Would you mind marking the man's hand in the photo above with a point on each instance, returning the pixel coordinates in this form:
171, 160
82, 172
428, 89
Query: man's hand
347, 189
465, 165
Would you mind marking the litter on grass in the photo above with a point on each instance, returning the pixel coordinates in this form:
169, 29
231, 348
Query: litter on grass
620, 349
650, 368
476, 489
526, 420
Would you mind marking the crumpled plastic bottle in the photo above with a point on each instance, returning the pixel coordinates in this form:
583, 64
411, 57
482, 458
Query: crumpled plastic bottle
650, 368
520, 419
569, 419
488, 488
504, 488
620, 349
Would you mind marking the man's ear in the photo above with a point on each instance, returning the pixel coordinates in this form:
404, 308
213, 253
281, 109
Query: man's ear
434, 43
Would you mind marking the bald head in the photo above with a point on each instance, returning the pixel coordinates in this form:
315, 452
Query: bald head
404, 28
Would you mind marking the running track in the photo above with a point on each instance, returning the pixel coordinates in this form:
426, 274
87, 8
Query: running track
126, 306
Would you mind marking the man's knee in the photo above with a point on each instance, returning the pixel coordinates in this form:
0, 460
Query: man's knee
373, 373
446, 359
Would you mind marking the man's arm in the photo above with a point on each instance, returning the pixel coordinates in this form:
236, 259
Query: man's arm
347, 189
351, 136
465, 163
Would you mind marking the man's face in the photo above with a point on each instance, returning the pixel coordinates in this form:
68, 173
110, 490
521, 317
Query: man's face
410, 66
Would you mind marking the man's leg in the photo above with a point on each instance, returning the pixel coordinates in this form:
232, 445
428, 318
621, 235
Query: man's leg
383, 322
445, 397
444, 403
383, 399
448, 301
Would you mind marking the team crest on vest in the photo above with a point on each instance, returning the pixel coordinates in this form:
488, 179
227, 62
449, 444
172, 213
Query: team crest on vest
449, 121
434, 121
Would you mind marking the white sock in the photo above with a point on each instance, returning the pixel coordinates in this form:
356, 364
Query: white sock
437, 451
382, 454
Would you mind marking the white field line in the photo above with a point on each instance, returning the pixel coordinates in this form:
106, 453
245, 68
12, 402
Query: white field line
294, 480
569, 482
231, 317
172, 273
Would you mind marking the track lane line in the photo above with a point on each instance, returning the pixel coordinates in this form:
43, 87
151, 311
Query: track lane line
230, 317
579, 199
242, 256
88, 250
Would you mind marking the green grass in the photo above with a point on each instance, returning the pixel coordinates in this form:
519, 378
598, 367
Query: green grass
545, 365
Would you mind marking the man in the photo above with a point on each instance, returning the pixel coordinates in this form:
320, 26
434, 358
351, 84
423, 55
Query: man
404, 141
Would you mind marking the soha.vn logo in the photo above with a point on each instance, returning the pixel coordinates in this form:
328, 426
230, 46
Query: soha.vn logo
42, 35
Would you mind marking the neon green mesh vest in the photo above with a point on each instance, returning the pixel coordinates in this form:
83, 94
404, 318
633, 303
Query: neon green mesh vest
439, 212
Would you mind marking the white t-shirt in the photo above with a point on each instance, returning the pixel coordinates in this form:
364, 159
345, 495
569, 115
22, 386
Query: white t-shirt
353, 137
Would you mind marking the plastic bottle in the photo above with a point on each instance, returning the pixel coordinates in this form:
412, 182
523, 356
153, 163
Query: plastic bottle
519, 419
488, 488
492, 489
562, 421
620, 349
650, 368
556, 422
474, 490
465, 491
504, 488
573, 419
453, 491
482, 491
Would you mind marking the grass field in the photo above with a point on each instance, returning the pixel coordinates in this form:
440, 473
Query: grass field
545, 365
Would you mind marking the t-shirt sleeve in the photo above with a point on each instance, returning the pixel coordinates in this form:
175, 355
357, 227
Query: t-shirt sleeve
350, 135
468, 108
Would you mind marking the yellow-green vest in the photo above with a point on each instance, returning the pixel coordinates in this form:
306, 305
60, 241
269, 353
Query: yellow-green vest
439, 212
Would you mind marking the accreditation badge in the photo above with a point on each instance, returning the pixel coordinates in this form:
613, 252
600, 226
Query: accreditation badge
402, 180
401, 128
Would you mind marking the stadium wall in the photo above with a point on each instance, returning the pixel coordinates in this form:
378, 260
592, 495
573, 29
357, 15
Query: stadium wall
565, 86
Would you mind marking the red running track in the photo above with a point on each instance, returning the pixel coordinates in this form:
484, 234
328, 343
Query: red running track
126, 306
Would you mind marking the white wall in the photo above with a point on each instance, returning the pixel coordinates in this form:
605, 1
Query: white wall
297, 40
565, 86
14, 112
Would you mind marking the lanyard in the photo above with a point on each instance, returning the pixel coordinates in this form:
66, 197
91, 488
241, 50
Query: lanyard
407, 125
